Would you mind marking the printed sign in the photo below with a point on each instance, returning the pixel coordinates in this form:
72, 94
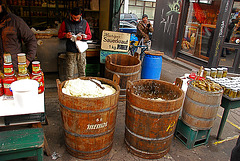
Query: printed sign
115, 41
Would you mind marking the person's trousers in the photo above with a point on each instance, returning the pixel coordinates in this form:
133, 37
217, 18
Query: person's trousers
235, 156
72, 60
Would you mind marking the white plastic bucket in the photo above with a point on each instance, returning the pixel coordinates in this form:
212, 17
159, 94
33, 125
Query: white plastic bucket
25, 92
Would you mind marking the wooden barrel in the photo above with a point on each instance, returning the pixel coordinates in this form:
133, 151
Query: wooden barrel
150, 124
89, 123
200, 107
126, 66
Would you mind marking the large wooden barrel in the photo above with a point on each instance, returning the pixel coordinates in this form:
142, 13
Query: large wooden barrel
200, 107
126, 66
150, 123
89, 123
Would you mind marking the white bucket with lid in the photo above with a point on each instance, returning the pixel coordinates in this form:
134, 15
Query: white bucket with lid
25, 92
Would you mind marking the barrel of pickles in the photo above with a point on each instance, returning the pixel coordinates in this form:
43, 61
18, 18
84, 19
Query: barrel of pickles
89, 123
126, 66
152, 112
201, 106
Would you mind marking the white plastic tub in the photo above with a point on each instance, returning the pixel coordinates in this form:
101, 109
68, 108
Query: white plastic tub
25, 92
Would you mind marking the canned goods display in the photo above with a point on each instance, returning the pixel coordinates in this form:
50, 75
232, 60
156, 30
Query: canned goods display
21, 58
7, 58
219, 72
36, 67
213, 72
40, 79
22, 68
8, 69
7, 81
225, 71
206, 72
238, 93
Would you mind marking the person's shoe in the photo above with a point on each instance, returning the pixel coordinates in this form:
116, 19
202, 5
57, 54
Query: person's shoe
223, 56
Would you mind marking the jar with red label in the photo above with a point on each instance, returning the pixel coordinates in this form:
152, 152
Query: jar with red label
40, 79
1, 87
7, 81
8, 69
36, 67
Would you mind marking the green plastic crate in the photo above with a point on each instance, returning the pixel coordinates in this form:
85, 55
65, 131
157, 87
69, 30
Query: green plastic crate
92, 70
191, 137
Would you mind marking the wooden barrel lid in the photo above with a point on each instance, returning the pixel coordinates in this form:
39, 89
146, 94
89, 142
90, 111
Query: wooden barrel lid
154, 52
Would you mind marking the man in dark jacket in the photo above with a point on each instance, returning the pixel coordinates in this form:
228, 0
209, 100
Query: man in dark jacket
13, 30
75, 26
143, 29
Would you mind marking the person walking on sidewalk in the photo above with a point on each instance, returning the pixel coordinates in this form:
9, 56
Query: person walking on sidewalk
143, 29
76, 25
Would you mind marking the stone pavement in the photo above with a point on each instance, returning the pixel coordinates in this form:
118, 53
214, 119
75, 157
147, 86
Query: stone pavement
178, 151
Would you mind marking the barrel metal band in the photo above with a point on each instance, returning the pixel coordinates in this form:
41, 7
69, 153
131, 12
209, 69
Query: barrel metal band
88, 136
198, 118
153, 112
127, 74
201, 104
145, 138
87, 111
89, 151
144, 152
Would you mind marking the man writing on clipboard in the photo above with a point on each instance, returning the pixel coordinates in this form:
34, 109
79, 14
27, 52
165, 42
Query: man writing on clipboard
75, 26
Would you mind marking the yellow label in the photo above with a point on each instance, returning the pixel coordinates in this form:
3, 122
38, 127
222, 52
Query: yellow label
35, 69
22, 69
8, 70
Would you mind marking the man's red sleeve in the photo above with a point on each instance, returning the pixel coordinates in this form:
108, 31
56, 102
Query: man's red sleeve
88, 32
62, 31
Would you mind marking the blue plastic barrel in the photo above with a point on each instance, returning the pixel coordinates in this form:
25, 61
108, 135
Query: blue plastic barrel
151, 67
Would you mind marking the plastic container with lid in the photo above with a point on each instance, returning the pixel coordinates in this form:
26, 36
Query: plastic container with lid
21, 58
8, 69
233, 93
219, 72
225, 71
7, 58
23, 90
36, 69
213, 72
206, 72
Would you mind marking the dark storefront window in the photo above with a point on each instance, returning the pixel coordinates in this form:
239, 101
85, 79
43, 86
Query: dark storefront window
229, 56
199, 28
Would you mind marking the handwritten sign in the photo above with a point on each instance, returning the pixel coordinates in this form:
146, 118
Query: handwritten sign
115, 41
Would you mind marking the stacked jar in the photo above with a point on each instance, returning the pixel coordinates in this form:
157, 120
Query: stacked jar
9, 76
215, 72
22, 67
38, 75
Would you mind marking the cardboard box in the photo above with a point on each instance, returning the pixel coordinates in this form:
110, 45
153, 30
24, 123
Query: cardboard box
115, 41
